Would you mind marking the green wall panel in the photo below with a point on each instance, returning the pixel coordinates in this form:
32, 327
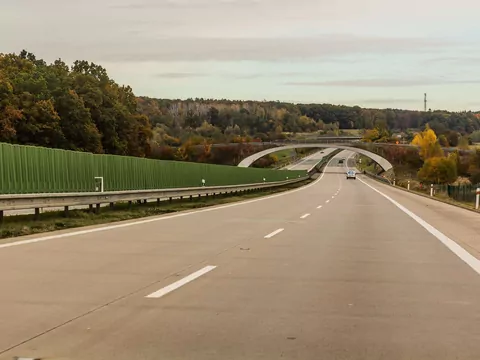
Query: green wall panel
29, 169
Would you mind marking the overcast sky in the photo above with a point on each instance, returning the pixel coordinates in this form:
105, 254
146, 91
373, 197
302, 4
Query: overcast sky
373, 53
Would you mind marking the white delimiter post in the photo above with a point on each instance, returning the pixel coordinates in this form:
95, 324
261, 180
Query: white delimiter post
101, 182
408, 185
477, 200
431, 190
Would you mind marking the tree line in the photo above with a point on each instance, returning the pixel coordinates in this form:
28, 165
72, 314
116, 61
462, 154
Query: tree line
76, 108
429, 162
79, 107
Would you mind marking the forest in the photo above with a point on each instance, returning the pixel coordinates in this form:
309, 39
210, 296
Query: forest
79, 107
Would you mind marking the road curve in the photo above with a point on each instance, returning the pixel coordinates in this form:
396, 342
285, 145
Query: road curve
334, 270
310, 161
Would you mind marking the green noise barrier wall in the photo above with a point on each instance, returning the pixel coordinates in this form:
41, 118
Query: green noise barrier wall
30, 169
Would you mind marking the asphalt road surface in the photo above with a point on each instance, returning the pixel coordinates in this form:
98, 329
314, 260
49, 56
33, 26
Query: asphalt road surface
310, 161
340, 269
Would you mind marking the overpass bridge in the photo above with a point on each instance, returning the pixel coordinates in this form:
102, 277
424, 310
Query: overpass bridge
384, 163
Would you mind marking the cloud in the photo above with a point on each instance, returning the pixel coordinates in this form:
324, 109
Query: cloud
390, 101
250, 76
179, 75
236, 76
167, 49
185, 4
454, 60
383, 82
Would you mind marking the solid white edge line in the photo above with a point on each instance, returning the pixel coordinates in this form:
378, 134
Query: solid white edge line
304, 216
463, 254
161, 218
319, 206
168, 289
272, 234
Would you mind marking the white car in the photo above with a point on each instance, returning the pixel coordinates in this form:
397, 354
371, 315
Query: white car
351, 175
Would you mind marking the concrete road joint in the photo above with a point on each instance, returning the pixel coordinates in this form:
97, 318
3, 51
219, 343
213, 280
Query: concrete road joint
110, 227
162, 291
2, 351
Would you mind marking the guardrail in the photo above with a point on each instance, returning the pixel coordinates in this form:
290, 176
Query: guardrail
320, 166
37, 201
377, 177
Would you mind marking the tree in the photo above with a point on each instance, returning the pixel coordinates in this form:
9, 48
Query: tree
40, 125
438, 170
474, 168
371, 135
9, 118
463, 143
427, 143
77, 125
442, 139
475, 136
452, 138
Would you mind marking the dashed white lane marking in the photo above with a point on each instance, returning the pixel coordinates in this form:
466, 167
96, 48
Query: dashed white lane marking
333, 197
167, 289
162, 218
319, 206
272, 234
304, 216
463, 254
327, 201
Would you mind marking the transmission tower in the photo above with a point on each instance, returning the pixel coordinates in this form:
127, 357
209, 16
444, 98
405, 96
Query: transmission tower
425, 102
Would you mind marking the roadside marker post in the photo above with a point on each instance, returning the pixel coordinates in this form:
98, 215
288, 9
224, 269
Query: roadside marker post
477, 199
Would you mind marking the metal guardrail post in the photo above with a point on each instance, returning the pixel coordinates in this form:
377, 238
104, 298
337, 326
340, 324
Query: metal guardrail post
94, 199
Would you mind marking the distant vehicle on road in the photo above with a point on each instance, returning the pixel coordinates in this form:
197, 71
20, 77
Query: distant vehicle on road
341, 161
351, 175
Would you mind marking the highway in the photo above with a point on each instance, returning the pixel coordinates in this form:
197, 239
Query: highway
339, 269
310, 161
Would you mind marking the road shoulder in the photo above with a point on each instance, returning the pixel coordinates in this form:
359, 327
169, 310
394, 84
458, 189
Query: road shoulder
458, 224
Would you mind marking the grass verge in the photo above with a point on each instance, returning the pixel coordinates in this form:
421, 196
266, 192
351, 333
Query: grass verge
21, 225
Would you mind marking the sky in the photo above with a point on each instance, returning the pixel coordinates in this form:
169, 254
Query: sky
371, 53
